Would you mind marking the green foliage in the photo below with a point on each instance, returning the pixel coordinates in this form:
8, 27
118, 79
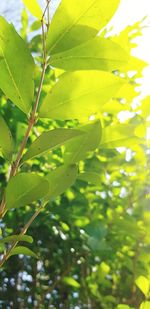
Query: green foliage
25, 188
84, 87
24, 251
6, 141
61, 179
143, 284
84, 199
76, 22
77, 150
98, 54
12, 238
16, 78
34, 8
119, 135
49, 141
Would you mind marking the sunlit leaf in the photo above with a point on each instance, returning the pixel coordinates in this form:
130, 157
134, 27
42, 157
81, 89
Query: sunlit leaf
24, 188
61, 179
123, 307
34, 8
120, 135
72, 282
143, 284
77, 21
96, 54
24, 251
78, 149
6, 141
16, 67
80, 94
145, 107
81, 221
50, 140
145, 305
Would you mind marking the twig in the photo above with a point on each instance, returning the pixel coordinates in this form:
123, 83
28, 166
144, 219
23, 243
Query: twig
48, 14
32, 119
23, 232
15, 165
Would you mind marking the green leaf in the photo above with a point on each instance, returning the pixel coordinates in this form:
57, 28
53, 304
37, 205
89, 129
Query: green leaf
35, 26
145, 305
91, 177
72, 282
50, 140
77, 149
24, 188
24, 23
13, 238
145, 107
16, 67
78, 21
80, 94
96, 54
120, 135
24, 251
34, 8
61, 179
6, 141
123, 307
143, 284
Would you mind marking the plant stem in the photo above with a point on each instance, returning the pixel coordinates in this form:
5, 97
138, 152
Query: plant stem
23, 232
32, 119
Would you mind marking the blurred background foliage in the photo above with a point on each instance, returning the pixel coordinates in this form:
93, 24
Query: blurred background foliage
93, 241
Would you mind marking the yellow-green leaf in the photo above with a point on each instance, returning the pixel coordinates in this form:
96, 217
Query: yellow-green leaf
80, 94
72, 282
34, 8
78, 21
16, 67
143, 284
122, 306
120, 135
6, 141
145, 107
95, 54
145, 305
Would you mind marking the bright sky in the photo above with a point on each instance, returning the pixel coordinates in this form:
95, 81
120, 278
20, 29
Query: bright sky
129, 12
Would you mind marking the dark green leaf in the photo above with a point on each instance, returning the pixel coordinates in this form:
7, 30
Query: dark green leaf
6, 141
50, 140
61, 179
24, 188
13, 238
24, 251
91, 177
